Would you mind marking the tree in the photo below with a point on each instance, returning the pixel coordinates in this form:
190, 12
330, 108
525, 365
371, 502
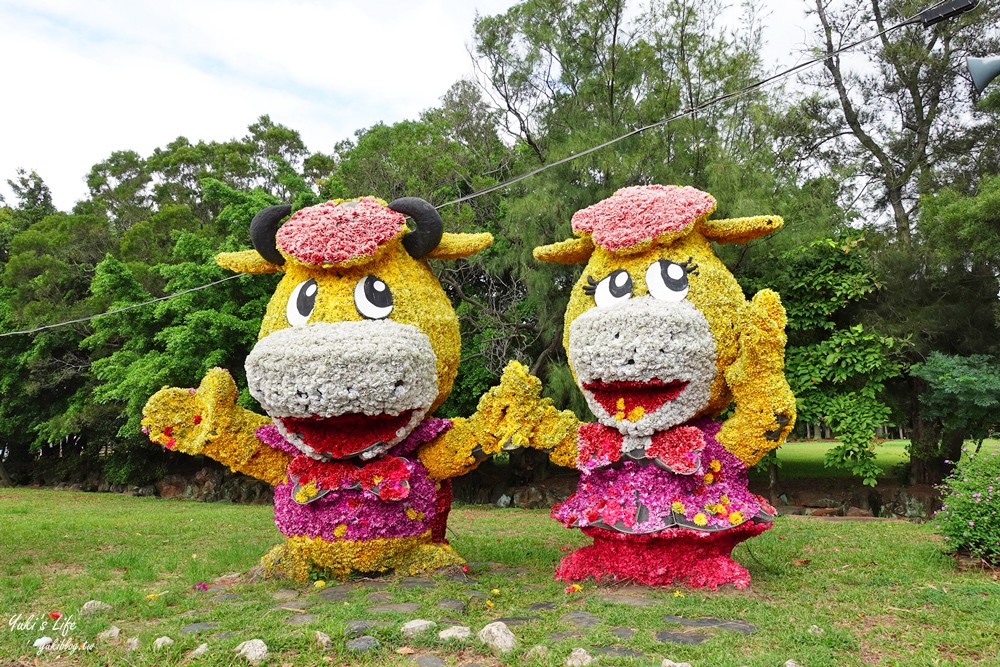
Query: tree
963, 395
907, 127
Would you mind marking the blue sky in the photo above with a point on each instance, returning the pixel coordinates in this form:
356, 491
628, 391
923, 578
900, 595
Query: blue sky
83, 79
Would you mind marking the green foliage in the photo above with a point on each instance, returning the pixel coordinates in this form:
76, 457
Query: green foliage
968, 517
837, 368
963, 393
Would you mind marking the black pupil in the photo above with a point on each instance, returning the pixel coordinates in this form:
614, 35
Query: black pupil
380, 298
673, 284
306, 300
619, 286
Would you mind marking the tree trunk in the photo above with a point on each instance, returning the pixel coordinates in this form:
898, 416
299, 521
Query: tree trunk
926, 462
774, 489
5, 479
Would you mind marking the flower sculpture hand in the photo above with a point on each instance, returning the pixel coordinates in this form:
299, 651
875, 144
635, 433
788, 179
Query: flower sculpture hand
358, 347
661, 341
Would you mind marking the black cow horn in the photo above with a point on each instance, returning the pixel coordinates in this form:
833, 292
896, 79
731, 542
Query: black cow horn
263, 229
429, 229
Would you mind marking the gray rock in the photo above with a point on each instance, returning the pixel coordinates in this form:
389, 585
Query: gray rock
476, 595
619, 652
132, 644
379, 597
285, 594
537, 652
323, 639
370, 584
667, 662
397, 608
197, 652
736, 626
94, 607
430, 661
361, 644
791, 663
498, 637
358, 628
687, 638
453, 604
622, 632
253, 651
162, 642
579, 657
302, 619
417, 626
816, 630
110, 634
336, 593
518, 620
542, 606
199, 627
223, 635
580, 619
504, 501
456, 632
416, 582
559, 636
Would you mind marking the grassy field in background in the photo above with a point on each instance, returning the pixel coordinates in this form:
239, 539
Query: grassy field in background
804, 458
882, 592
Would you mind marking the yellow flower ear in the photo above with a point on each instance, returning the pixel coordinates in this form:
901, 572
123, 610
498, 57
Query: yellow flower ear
740, 230
456, 246
570, 251
246, 261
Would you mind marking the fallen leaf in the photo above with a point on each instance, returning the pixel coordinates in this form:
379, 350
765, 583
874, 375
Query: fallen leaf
801, 561
405, 650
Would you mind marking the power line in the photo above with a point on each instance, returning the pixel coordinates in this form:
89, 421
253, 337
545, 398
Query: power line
920, 16
122, 309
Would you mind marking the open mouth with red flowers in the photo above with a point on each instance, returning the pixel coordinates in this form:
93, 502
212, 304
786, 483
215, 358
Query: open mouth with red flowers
631, 399
349, 434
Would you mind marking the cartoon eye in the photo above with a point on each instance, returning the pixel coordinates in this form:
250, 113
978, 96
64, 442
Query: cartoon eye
301, 303
372, 298
613, 288
668, 281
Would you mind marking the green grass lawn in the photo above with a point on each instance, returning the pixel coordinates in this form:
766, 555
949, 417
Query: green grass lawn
881, 592
804, 459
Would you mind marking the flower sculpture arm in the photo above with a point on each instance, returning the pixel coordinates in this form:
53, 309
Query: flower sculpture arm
512, 414
208, 421
765, 405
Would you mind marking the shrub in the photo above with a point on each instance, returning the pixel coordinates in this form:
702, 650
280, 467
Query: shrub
969, 517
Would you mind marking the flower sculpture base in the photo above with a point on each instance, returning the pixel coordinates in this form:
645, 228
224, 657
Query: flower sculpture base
698, 559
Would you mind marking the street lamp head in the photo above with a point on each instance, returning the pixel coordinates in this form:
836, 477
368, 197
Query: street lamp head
983, 70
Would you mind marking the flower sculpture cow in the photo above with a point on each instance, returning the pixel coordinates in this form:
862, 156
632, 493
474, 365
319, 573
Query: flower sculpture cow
358, 347
661, 341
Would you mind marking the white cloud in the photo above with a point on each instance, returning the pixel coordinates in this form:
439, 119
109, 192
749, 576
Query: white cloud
85, 79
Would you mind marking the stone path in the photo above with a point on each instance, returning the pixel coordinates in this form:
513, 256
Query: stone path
389, 620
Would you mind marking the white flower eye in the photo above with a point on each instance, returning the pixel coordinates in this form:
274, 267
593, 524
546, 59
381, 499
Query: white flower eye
668, 281
614, 288
372, 298
301, 303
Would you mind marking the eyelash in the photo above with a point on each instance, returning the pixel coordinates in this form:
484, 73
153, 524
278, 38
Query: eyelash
688, 265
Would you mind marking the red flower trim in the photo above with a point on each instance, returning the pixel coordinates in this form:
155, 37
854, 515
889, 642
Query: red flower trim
388, 475
680, 448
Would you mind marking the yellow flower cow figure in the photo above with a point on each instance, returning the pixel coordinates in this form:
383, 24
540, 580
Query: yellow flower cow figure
661, 341
358, 347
